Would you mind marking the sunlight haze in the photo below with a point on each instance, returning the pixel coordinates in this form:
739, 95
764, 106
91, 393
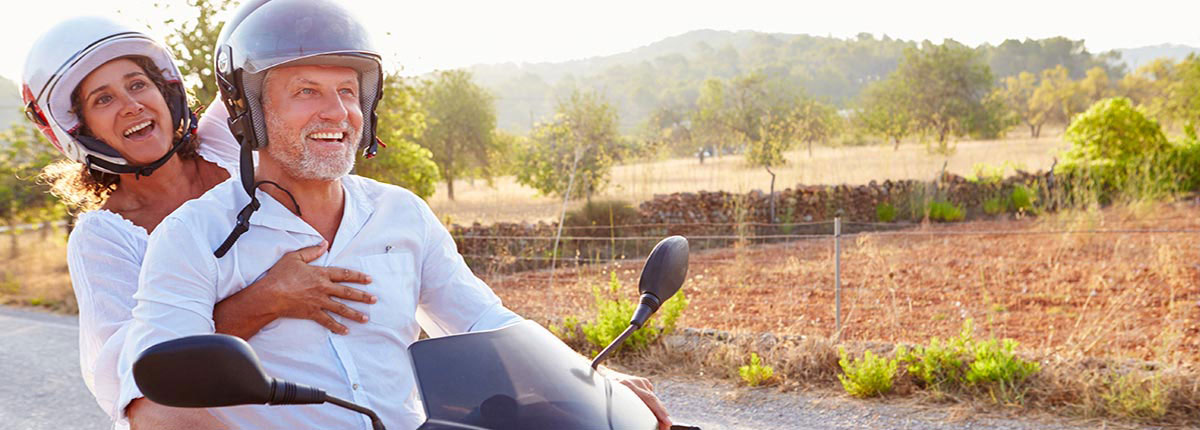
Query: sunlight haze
423, 36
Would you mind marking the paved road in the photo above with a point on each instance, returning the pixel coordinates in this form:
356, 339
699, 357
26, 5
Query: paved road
40, 388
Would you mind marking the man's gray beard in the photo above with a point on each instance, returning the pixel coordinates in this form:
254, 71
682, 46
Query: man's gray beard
287, 147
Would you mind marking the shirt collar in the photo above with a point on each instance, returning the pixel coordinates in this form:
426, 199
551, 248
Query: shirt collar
273, 214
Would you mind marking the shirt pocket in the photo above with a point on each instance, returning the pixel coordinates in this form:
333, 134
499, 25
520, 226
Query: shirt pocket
394, 282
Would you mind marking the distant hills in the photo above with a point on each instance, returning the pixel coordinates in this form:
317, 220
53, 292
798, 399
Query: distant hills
1137, 57
670, 71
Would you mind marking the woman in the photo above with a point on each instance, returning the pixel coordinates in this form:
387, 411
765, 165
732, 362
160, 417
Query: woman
112, 101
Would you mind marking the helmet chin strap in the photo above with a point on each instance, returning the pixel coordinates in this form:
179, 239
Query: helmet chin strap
147, 169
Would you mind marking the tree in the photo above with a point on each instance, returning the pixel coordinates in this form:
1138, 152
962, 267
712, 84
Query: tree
1095, 86
191, 42
23, 154
670, 127
814, 121
1114, 142
572, 154
1017, 94
708, 119
402, 162
1184, 103
460, 119
884, 111
1059, 94
947, 86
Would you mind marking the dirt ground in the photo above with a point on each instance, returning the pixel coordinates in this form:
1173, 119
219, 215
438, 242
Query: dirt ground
1118, 283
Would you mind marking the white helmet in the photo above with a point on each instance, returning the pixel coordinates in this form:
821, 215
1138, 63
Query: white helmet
62, 57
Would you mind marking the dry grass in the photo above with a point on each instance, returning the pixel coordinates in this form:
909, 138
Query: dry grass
637, 182
38, 276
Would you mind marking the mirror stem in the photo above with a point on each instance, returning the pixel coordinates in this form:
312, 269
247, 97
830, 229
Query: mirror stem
613, 346
375, 422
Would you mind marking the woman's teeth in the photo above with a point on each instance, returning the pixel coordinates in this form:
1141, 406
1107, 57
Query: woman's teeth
137, 128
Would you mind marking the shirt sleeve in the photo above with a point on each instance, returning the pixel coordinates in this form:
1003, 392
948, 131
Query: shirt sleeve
217, 143
104, 265
175, 298
452, 298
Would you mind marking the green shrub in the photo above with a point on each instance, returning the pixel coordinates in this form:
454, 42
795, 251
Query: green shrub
994, 206
939, 366
945, 211
1022, 199
867, 377
997, 369
885, 212
614, 312
756, 373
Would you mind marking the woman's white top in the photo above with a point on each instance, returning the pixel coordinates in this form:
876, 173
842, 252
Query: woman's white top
104, 255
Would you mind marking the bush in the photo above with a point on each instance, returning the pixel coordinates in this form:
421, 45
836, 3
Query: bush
994, 206
999, 371
868, 377
885, 212
962, 362
613, 314
756, 373
1137, 396
1022, 198
945, 211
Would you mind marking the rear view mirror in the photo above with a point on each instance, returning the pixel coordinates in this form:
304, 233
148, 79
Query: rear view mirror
664, 272
202, 372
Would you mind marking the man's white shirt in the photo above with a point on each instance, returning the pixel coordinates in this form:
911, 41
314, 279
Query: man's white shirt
386, 232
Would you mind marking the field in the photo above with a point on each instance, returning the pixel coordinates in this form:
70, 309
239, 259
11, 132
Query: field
507, 200
1044, 282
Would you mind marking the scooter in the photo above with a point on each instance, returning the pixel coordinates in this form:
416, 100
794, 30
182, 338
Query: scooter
516, 377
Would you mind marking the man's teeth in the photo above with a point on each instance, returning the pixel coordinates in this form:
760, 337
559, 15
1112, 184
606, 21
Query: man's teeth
331, 136
137, 128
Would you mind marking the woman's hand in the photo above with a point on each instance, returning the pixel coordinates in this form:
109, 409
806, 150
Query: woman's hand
293, 288
645, 391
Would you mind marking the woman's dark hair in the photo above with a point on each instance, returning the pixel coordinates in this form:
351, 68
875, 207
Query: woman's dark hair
83, 188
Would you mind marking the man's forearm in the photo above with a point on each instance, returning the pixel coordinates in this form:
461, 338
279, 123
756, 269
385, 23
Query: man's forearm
242, 314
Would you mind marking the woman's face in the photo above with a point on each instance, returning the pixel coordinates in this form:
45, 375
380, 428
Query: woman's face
123, 108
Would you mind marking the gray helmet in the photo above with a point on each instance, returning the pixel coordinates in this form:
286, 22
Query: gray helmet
264, 34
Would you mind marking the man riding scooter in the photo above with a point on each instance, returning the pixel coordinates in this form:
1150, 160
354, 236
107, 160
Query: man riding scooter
301, 82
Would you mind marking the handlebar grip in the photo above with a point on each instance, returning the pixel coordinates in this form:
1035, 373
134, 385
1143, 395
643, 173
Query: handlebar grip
290, 393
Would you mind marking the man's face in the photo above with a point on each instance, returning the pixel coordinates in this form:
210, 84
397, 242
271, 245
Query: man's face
314, 120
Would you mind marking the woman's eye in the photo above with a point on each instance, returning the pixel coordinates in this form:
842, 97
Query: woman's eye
104, 99
137, 85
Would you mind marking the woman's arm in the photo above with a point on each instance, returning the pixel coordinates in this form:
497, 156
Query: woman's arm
292, 288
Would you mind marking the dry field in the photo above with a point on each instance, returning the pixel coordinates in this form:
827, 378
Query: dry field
1122, 295
637, 182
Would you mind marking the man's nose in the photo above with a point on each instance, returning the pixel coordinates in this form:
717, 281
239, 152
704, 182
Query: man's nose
334, 109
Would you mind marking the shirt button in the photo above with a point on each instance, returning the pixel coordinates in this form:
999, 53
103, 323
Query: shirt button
355, 386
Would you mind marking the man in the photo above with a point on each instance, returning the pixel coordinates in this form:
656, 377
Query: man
301, 82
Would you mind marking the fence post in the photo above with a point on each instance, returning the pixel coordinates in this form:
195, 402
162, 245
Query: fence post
837, 275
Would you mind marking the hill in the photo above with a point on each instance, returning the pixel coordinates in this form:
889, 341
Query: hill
670, 72
1136, 57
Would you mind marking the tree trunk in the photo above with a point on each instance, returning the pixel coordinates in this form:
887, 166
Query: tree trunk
450, 187
810, 149
896, 143
14, 250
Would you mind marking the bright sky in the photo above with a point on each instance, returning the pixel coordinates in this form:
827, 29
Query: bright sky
421, 36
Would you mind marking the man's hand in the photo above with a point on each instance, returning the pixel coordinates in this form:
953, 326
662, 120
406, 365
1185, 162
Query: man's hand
147, 415
293, 288
645, 391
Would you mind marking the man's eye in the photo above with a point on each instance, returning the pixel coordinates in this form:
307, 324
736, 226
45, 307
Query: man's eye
347, 91
307, 91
